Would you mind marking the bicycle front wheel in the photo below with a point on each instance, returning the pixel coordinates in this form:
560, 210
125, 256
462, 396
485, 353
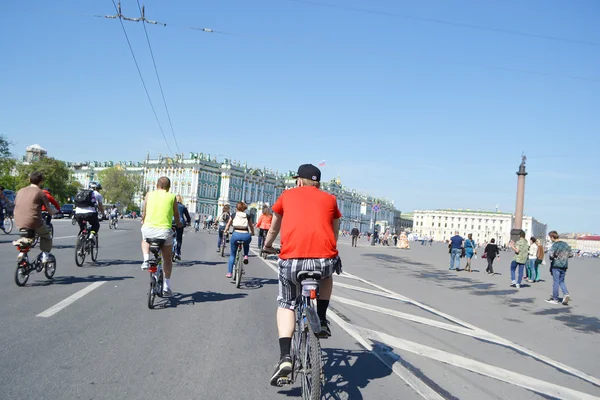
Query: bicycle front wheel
21, 275
238, 272
312, 368
80, 251
8, 225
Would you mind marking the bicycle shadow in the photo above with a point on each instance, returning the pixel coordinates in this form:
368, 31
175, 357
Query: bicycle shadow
69, 280
183, 299
346, 373
110, 263
257, 283
191, 263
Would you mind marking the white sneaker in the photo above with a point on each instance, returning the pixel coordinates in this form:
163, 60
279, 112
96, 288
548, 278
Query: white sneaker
566, 299
145, 265
167, 291
45, 257
518, 286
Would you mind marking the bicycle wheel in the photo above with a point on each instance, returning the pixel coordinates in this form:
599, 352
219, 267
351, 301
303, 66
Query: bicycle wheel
110, 225
21, 275
51, 231
94, 248
151, 292
116, 224
73, 221
310, 350
80, 251
238, 267
159, 284
50, 268
223, 247
8, 225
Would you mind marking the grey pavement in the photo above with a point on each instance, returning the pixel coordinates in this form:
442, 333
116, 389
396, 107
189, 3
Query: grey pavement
404, 328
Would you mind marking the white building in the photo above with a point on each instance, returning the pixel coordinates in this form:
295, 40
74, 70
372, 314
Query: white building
588, 244
484, 225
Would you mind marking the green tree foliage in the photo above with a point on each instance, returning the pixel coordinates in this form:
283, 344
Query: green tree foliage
7, 164
119, 186
57, 177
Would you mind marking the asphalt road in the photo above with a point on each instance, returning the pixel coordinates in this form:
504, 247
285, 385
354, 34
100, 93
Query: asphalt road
404, 327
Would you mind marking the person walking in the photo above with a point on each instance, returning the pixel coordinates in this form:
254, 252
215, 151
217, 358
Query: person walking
184, 217
539, 260
521, 249
354, 233
456, 243
559, 253
491, 251
531, 260
470, 251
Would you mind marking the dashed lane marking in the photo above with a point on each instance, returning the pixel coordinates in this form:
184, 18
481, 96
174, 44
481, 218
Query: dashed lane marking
70, 300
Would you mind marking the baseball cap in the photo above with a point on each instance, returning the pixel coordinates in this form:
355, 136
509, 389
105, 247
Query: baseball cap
309, 171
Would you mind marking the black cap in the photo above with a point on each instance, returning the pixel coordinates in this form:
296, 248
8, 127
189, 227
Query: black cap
309, 171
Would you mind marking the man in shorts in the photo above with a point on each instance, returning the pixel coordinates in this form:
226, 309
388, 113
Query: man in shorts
160, 207
309, 221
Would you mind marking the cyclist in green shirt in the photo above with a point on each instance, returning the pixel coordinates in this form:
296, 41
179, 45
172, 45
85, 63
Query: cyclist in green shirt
159, 209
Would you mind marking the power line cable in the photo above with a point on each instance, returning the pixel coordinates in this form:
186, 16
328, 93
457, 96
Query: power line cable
157, 75
117, 9
449, 23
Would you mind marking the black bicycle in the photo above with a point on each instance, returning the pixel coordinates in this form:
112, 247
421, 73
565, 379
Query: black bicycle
8, 222
307, 363
156, 272
26, 267
224, 241
238, 265
85, 245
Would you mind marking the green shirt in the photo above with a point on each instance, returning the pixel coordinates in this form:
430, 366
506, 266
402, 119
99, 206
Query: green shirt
159, 209
523, 248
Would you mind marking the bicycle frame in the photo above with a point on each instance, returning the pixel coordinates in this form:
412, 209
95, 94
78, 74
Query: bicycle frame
156, 277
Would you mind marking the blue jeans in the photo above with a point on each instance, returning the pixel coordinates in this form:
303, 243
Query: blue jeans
455, 259
513, 267
246, 238
558, 279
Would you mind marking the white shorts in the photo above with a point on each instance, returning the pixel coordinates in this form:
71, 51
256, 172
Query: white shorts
158, 233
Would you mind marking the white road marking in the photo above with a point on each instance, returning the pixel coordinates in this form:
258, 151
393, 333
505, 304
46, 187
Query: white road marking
69, 300
371, 291
518, 379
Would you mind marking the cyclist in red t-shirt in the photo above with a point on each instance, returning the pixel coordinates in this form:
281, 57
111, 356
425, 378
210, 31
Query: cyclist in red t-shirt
309, 220
52, 201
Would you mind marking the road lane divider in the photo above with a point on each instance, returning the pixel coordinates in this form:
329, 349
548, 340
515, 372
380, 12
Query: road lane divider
69, 300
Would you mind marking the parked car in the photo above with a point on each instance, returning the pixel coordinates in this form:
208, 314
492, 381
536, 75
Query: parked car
67, 210
10, 203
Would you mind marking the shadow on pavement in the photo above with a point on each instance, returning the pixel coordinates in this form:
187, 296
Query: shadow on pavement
257, 283
69, 280
182, 299
63, 246
581, 323
194, 263
109, 263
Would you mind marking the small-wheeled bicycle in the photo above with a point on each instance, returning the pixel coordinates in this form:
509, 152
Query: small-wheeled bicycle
26, 267
85, 245
307, 362
156, 272
114, 223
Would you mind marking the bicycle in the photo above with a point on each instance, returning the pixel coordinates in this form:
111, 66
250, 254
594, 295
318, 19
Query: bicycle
84, 245
24, 266
73, 219
307, 364
224, 243
113, 224
156, 272
238, 264
50, 228
8, 222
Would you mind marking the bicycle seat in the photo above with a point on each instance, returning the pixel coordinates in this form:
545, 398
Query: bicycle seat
302, 275
155, 244
27, 233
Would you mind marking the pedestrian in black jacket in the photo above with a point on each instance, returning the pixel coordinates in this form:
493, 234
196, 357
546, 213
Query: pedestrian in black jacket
491, 251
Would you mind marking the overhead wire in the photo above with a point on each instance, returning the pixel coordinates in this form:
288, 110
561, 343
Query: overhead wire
446, 22
158, 79
142, 79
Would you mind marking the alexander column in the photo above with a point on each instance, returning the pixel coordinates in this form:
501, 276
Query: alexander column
518, 224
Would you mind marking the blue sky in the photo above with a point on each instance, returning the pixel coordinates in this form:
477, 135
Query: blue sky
430, 114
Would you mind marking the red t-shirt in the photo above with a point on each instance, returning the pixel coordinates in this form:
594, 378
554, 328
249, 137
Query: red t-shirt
307, 224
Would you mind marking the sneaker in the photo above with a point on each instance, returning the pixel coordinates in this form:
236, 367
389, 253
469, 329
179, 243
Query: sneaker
283, 369
178, 257
490, 273
228, 275
167, 292
45, 257
518, 286
145, 265
551, 301
218, 250
325, 330
566, 299
245, 259
513, 284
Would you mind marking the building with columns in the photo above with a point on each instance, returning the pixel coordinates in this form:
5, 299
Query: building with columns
207, 184
484, 225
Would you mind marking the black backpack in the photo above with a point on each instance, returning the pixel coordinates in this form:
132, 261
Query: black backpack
84, 198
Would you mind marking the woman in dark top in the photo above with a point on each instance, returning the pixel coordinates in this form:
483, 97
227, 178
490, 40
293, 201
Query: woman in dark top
184, 215
491, 251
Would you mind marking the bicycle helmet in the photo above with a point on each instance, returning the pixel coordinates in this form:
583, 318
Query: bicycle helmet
95, 186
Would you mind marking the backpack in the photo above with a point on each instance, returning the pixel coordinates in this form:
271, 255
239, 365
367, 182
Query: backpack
240, 221
84, 198
225, 217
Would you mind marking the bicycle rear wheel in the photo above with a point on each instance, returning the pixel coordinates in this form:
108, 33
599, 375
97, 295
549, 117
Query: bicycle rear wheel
151, 292
94, 248
80, 251
8, 224
223, 242
238, 272
312, 368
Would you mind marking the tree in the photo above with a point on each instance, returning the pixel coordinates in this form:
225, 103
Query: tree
57, 177
7, 164
119, 186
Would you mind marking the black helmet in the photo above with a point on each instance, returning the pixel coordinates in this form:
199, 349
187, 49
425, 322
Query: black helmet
95, 186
